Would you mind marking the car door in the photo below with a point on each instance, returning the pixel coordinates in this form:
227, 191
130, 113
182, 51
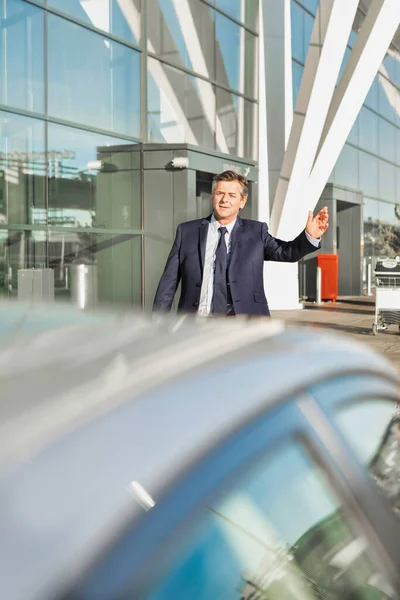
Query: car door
264, 515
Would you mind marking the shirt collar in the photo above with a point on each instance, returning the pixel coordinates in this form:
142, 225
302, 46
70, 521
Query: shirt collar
229, 227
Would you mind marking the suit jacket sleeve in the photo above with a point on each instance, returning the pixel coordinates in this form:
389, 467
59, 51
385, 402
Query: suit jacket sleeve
170, 278
278, 250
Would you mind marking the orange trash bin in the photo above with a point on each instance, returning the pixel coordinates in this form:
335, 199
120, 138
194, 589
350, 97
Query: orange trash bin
329, 265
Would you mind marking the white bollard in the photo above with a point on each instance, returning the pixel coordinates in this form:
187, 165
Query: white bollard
319, 285
369, 279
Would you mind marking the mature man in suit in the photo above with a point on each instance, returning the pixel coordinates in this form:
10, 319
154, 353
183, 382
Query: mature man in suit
219, 260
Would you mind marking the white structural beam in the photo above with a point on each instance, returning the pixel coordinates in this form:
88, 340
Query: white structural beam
276, 113
332, 27
369, 50
323, 119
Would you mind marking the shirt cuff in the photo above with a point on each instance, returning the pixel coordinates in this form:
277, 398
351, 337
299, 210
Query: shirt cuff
312, 240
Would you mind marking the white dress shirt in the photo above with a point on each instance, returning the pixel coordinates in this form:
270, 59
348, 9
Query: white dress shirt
207, 285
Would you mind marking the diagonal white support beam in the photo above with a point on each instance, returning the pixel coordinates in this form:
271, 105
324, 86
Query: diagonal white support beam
329, 39
369, 50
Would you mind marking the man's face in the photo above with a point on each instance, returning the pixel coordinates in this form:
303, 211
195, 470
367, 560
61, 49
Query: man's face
227, 200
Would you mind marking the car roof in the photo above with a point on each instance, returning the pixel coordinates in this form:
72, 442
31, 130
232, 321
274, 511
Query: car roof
88, 409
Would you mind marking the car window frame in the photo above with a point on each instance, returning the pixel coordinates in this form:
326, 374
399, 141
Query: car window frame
144, 539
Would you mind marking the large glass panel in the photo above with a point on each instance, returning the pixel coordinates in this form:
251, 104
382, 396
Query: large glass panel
96, 269
232, 7
250, 61
312, 5
387, 140
297, 29
92, 80
22, 55
368, 130
181, 108
387, 181
387, 98
94, 180
371, 99
235, 56
346, 168
368, 174
112, 16
297, 74
279, 533
353, 137
245, 11
183, 33
22, 169
236, 125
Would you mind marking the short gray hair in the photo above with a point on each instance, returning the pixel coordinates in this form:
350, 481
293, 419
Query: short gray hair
232, 176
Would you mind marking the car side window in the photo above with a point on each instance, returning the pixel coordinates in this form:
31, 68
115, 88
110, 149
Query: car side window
372, 429
279, 533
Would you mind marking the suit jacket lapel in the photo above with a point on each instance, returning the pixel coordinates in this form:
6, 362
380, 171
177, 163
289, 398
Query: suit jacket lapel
235, 241
203, 231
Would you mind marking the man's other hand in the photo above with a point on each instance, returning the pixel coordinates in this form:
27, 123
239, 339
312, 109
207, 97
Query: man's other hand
316, 226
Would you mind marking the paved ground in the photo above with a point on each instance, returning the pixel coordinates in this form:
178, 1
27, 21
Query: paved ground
352, 318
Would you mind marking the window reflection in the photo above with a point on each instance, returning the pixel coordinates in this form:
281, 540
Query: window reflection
89, 269
233, 8
312, 5
181, 108
22, 168
122, 19
387, 140
346, 168
387, 181
182, 34
22, 55
371, 99
237, 119
229, 53
94, 180
279, 533
20, 250
372, 428
93, 269
368, 173
108, 74
245, 11
387, 98
368, 130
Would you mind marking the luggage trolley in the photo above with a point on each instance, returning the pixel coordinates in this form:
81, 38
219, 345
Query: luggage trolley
387, 303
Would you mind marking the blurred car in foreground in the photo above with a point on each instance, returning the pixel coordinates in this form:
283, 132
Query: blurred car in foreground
179, 460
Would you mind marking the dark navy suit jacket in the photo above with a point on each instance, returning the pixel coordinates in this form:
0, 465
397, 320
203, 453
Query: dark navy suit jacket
251, 245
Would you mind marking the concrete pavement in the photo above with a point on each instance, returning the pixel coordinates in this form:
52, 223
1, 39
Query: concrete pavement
353, 318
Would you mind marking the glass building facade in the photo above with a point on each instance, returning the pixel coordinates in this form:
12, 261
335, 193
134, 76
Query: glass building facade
85, 86
370, 159
98, 97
